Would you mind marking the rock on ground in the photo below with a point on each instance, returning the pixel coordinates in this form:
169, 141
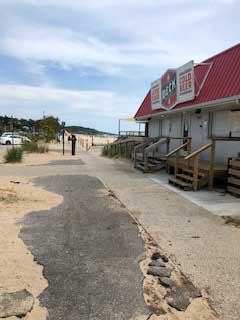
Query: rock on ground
16, 304
159, 271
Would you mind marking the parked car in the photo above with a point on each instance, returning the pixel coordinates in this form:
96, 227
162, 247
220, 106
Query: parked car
14, 139
4, 134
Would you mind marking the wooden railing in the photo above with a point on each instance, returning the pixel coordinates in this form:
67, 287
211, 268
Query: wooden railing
187, 145
140, 148
132, 133
176, 152
195, 156
153, 147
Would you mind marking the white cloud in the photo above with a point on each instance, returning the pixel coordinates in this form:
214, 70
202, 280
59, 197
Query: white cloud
65, 103
137, 39
154, 33
70, 49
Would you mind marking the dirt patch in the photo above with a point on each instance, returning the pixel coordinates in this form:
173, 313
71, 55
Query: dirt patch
18, 269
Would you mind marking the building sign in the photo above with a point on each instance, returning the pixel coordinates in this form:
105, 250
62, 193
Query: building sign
185, 82
156, 94
169, 89
175, 86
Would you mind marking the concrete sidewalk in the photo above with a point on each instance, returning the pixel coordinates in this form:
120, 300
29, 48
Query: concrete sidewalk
205, 248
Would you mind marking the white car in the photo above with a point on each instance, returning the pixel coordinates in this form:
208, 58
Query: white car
13, 139
8, 134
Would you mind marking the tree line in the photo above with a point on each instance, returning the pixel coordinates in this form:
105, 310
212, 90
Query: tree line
46, 127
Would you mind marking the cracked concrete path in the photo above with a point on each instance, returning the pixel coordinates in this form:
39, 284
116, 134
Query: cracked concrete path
88, 246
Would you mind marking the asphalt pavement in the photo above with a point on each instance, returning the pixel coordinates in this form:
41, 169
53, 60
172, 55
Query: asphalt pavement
89, 247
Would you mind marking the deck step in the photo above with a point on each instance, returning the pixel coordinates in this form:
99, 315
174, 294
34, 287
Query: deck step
200, 174
185, 177
157, 159
151, 167
140, 167
180, 184
154, 161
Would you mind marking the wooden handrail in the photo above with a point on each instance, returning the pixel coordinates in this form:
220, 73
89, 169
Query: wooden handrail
182, 146
181, 138
142, 145
225, 138
196, 152
156, 144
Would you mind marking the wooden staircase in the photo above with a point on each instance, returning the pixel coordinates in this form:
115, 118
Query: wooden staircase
149, 159
153, 164
193, 178
184, 180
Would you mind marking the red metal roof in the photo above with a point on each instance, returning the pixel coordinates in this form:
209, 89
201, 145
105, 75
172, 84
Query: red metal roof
222, 79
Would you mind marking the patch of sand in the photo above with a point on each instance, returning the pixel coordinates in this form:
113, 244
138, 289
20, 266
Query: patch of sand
18, 270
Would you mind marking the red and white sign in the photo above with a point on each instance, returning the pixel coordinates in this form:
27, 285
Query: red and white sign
156, 94
185, 82
169, 89
175, 86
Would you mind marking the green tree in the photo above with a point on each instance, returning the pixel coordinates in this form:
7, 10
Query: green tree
49, 126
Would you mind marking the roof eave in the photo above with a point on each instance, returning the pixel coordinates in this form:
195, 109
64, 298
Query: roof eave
207, 105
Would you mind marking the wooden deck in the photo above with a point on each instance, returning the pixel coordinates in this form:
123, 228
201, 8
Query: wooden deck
220, 170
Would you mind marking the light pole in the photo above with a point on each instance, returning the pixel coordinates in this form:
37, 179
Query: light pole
63, 136
12, 133
119, 127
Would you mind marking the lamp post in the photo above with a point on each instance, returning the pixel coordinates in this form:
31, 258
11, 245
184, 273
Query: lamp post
12, 132
63, 136
119, 127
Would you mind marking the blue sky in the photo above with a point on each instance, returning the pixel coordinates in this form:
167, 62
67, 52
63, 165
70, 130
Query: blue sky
91, 62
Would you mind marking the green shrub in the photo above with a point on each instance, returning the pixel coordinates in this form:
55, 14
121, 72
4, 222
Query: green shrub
34, 147
14, 155
42, 148
109, 151
104, 151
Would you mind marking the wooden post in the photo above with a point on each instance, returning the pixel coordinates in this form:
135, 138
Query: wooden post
135, 157
195, 173
189, 146
176, 163
189, 150
145, 160
168, 145
211, 166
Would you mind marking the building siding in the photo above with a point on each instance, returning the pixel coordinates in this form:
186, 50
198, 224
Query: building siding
200, 127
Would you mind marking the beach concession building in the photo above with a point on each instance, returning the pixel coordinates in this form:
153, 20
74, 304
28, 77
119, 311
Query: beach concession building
212, 109
200, 101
